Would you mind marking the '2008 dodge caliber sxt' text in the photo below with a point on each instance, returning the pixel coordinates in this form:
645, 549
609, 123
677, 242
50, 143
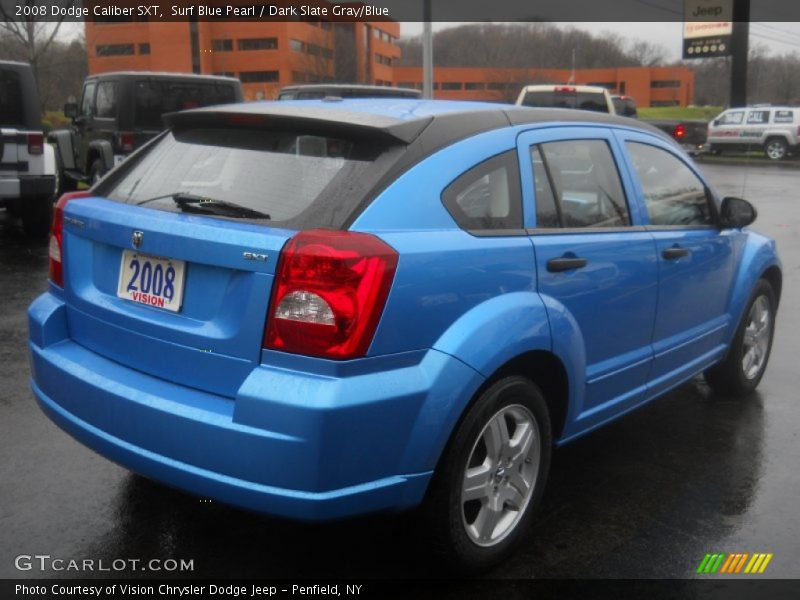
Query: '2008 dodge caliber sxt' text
318, 309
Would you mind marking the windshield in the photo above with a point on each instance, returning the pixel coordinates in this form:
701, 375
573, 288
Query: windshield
567, 99
279, 174
11, 109
156, 98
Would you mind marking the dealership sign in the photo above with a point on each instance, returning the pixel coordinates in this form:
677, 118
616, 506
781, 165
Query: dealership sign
707, 28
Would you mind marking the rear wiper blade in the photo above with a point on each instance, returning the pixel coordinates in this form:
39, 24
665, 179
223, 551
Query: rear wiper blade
201, 204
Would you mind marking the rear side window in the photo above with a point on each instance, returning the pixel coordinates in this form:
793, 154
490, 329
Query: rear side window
286, 175
567, 99
585, 182
152, 99
11, 105
758, 117
784, 116
487, 197
673, 194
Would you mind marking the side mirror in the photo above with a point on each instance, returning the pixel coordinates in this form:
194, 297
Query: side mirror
71, 110
736, 213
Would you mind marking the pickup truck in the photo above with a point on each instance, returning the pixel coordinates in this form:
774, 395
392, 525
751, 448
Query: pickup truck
690, 134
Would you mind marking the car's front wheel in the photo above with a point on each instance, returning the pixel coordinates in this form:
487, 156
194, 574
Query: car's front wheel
747, 358
492, 476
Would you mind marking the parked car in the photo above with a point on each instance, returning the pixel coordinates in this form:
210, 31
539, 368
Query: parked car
317, 91
625, 106
583, 97
773, 128
119, 112
27, 164
323, 309
690, 134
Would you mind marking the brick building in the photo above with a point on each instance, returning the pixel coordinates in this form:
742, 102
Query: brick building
267, 56
649, 86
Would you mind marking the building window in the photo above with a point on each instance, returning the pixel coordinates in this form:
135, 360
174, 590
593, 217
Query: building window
144, 48
451, 85
609, 85
497, 86
297, 45
383, 60
222, 45
475, 85
257, 44
377, 33
115, 50
670, 83
259, 76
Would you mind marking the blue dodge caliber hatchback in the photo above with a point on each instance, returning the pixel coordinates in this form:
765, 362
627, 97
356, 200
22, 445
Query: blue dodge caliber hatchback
321, 309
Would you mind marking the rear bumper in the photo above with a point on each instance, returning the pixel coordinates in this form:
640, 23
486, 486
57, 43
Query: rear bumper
27, 187
293, 444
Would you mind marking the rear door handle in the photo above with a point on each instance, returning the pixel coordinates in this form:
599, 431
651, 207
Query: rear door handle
565, 263
675, 253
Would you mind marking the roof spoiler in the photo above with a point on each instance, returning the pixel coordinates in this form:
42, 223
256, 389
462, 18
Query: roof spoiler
320, 121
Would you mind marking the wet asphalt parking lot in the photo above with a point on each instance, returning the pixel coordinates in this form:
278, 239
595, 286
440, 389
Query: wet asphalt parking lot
647, 496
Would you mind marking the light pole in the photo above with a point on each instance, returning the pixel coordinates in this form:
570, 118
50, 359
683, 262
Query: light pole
427, 51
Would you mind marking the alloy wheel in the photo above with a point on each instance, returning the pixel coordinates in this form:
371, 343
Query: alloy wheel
500, 475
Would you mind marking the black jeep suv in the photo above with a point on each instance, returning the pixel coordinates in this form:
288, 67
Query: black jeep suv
119, 112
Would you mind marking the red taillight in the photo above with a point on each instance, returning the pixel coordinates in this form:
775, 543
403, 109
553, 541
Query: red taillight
35, 143
329, 292
566, 89
126, 141
57, 237
679, 131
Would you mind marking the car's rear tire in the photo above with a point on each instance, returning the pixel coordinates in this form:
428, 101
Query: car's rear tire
37, 214
741, 371
96, 171
776, 148
491, 477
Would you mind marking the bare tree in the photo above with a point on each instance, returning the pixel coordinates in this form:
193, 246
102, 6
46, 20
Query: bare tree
32, 36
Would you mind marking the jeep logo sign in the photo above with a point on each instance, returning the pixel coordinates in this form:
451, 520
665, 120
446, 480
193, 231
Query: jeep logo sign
702, 36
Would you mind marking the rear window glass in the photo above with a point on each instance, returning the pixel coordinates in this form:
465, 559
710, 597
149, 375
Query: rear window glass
156, 98
282, 174
11, 107
567, 99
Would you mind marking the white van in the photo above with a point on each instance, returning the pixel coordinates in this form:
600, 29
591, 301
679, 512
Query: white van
583, 97
773, 128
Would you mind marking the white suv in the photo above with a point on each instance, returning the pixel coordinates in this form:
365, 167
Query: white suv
27, 162
773, 128
582, 97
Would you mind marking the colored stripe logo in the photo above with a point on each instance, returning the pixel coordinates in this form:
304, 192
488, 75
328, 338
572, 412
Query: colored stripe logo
735, 563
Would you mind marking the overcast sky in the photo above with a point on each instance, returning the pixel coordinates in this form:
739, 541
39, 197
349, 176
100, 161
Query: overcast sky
777, 37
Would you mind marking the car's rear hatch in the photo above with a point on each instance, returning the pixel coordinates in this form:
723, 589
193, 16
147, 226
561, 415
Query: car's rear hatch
210, 335
16, 123
214, 339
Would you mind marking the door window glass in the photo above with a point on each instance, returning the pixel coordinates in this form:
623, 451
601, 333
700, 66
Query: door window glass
107, 100
87, 104
673, 194
586, 183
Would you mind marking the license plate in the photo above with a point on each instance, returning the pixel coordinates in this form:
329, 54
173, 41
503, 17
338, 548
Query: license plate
151, 280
